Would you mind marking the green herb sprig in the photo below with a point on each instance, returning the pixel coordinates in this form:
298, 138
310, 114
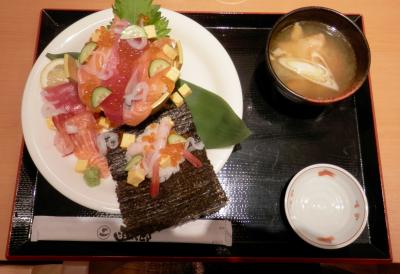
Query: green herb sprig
134, 10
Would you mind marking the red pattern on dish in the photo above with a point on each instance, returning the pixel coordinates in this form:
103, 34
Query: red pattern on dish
326, 172
327, 239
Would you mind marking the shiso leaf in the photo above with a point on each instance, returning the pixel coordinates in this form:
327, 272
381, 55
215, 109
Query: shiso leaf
133, 10
216, 123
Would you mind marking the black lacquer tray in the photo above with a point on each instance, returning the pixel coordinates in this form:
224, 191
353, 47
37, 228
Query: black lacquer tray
285, 138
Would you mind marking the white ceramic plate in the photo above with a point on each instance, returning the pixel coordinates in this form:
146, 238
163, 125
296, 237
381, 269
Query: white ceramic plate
206, 63
326, 206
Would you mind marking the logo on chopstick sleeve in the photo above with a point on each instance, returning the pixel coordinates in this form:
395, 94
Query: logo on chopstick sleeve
103, 232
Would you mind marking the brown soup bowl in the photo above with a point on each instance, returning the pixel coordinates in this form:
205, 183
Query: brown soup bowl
340, 23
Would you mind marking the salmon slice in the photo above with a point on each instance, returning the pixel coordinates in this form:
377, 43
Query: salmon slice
84, 141
102, 65
86, 84
157, 84
62, 139
119, 67
100, 161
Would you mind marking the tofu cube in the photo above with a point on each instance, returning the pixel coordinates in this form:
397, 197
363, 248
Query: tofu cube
104, 122
185, 90
135, 177
81, 165
150, 31
177, 99
127, 139
173, 74
170, 51
50, 124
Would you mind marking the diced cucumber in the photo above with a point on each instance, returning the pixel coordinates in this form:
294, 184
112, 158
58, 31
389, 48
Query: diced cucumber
176, 139
86, 52
133, 31
133, 161
99, 95
92, 176
157, 65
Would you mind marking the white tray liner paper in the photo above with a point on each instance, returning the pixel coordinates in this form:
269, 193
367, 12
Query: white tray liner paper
90, 229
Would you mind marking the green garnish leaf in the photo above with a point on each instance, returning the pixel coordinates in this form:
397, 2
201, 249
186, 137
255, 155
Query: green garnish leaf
134, 10
53, 56
92, 176
216, 122
159, 22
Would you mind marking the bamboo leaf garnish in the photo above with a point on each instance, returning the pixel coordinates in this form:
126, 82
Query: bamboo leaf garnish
216, 123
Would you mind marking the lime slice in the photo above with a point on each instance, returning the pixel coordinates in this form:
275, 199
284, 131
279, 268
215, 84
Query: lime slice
53, 73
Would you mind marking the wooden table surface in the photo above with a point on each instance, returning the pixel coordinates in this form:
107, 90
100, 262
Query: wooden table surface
18, 30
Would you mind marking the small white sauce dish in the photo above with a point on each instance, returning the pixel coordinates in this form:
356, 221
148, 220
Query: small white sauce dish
326, 206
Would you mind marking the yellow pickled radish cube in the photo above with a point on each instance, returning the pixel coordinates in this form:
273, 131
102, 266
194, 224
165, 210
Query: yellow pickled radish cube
185, 90
135, 177
150, 31
173, 74
177, 99
81, 165
170, 51
127, 139
104, 122
49, 123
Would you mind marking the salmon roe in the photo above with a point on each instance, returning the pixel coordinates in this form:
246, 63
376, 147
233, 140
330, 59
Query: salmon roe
106, 38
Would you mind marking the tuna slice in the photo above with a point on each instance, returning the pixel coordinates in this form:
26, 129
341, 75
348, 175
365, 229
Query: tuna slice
189, 194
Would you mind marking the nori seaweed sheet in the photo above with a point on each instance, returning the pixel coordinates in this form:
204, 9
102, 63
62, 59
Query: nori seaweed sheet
189, 194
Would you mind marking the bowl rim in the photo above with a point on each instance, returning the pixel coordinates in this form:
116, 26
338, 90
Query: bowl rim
360, 229
334, 12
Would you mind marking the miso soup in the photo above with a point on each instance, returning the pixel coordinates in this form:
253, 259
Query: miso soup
313, 60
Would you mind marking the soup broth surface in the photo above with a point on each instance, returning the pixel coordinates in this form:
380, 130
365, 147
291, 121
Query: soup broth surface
313, 60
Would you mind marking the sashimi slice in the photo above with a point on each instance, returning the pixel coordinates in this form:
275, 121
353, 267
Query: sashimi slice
100, 161
63, 144
85, 137
158, 84
101, 65
64, 97
86, 84
85, 141
82, 142
112, 105
62, 140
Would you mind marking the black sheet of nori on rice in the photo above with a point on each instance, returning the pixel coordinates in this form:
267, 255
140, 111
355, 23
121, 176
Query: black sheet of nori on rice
188, 194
